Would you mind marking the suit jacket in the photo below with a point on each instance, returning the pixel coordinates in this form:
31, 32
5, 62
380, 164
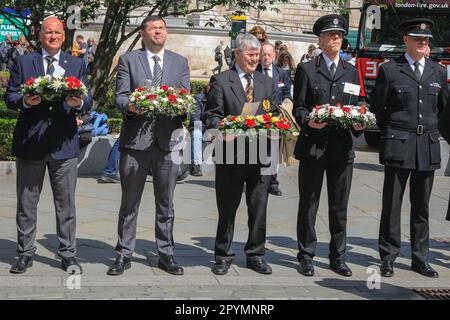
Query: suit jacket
313, 85
282, 81
48, 128
139, 132
401, 103
444, 122
227, 97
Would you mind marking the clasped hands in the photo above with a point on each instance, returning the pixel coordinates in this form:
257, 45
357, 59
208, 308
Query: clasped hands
34, 100
320, 125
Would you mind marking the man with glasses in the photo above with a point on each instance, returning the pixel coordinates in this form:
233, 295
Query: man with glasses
324, 147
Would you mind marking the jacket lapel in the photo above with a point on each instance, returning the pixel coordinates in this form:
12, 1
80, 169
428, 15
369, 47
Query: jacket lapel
322, 68
145, 65
63, 62
38, 63
340, 70
236, 87
405, 68
258, 87
167, 65
428, 70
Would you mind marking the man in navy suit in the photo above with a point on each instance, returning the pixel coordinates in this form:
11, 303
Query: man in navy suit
282, 80
46, 137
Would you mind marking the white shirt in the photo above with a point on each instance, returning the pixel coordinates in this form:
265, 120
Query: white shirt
151, 61
268, 72
242, 76
411, 63
328, 61
45, 54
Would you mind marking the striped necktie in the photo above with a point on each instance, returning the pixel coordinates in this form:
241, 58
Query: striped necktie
249, 87
157, 72
50, 67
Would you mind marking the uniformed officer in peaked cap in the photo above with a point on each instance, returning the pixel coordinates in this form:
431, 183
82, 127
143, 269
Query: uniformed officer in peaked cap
409, 94
323, 147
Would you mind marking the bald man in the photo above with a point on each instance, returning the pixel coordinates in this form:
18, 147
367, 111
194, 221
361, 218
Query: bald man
46, 137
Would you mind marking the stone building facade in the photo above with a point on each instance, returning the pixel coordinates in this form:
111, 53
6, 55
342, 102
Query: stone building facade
292, 24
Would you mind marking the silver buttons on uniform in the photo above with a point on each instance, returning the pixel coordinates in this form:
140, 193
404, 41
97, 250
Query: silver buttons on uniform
420, 101
50, 108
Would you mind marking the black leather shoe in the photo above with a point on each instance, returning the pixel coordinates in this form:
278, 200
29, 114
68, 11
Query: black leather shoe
21, 265
170, 265
387, 268
274, 190
196, 170
221, 266
341, 268
306, 267
259, 265
424, 269
121, 264
71, 266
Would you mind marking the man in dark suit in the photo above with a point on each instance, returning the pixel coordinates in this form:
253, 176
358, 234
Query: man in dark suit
324, 147
282, 80
409, 93
230, 90
147, 143
46, 136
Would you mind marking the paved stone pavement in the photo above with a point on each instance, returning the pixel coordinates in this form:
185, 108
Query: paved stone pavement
195, 227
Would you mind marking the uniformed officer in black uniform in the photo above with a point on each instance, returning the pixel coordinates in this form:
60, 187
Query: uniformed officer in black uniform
323, 147
409, 93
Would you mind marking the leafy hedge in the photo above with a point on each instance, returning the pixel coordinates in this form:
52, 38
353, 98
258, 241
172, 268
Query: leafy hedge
6, 134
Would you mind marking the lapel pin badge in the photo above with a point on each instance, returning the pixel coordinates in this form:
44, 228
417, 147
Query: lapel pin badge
266, 105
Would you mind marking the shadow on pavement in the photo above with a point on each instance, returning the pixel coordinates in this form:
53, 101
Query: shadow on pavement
360, 288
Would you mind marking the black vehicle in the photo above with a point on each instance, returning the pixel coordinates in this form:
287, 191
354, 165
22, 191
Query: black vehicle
380, 39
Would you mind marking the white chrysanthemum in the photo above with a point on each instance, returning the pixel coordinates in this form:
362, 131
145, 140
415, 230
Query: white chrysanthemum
338, 113
321, 111
132, 99
354, 113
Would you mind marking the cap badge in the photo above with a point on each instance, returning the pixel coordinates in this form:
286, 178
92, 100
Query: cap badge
423, 26
335, 21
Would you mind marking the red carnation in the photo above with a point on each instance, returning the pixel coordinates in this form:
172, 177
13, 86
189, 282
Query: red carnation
250, 123
268, 126
151, 96
29, 81
172, 98
266, 117
139, 89
233, 118
346, 109
183, 91
165, 88
279, 125
338, 105
362, 110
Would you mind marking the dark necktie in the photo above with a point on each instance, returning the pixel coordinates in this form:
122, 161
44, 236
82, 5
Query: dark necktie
266, 72
332, 69
157, 72
50, 67
249, 87
417, 71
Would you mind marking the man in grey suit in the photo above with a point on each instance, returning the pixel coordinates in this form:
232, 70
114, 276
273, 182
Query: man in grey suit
147, 143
